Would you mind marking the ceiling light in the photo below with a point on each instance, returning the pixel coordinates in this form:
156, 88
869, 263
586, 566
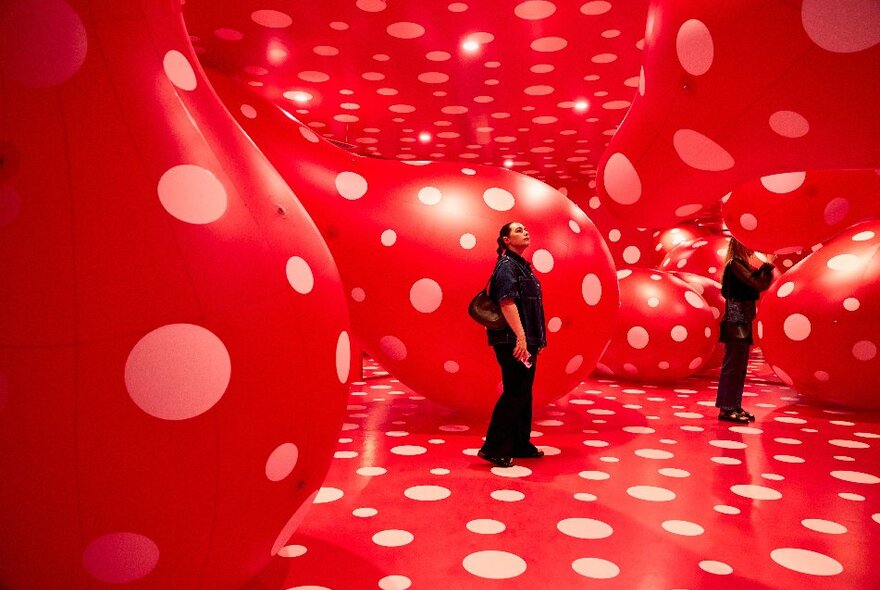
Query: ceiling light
581, 105
508, 163
424, 137
470, 46
297, 96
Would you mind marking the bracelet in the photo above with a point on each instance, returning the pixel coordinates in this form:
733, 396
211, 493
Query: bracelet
518, 338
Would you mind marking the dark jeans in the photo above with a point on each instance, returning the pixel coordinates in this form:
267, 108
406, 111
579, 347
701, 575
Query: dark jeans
733, 375
511, 424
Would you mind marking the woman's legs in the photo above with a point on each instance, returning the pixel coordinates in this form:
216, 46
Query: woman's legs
733, 375
511, 423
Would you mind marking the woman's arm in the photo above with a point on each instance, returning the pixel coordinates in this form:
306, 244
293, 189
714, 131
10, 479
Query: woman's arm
511, 314
759, 279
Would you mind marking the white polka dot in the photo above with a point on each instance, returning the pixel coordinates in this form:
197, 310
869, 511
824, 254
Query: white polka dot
594, 475
591, 289
554, 324
651, 493
783, 183
653, 454
310, 135
179, 70
427, 493
485, 526
864, 350
507, 495
408, 450
120, 558
393, 347
494, 565
273, 19
177, 372
595, 568
584, 528
358, 294
572, 224
542, 261
683, 528
694, 300
835, 211
292, 551
748, 221
673, 472
824, 526
856, 477
806, 562
718, 568
631, 254
281, 461
789, 124
863, 236
364, 512
327, 495
451, 367
426, 295
845, 262
467, 241
797, 327
351, 186
388, 237
574, 364
842, 27
699, 152
694, 47
785, 289
343, 356
395, 583
498, 199
393, 538
637, 337
755, 492
851, 304
192, 194
371, 471
299, 275
726, 509
679, 333
614, 235
430, 195
621, 180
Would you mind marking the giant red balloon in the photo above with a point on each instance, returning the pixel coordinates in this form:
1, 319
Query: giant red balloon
818, 325
787, 213
665, 331
733, 91
704, 256
415, 241
174, 339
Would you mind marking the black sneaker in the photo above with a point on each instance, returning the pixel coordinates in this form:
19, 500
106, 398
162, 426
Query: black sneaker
499, 461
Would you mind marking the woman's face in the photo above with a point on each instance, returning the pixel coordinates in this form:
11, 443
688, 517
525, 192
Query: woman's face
518, 240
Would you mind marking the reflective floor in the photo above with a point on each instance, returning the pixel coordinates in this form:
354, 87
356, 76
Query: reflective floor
641, 488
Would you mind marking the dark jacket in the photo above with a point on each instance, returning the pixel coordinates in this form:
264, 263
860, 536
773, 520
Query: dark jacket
741, 286
513, 279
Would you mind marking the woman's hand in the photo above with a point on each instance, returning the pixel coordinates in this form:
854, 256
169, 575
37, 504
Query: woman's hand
520, 351
510, 313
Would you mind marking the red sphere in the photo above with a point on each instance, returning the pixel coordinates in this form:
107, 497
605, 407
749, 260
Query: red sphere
665, 330
415, 241
704, 257
818, 325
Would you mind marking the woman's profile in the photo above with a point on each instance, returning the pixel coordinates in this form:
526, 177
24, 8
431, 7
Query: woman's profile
516, 289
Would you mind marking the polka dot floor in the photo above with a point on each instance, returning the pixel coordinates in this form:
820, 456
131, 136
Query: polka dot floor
641, 488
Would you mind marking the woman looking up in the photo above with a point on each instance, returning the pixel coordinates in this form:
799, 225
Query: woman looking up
516, 289
741, 286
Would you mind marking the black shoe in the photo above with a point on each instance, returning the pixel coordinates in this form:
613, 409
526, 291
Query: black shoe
536, 454
751, 417
499, 461
733, 416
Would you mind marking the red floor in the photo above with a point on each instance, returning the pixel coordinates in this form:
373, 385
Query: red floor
641, 488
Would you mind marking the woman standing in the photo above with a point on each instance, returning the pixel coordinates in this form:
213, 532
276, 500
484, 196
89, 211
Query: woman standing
516, 289
741, 286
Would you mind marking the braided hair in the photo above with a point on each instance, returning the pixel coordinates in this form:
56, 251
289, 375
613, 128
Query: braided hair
504, 233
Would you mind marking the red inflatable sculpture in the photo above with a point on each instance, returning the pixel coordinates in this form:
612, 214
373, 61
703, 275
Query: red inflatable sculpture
818, 325
673, 237
710, 290
731, 92
665, 331
787, 213
629, 246
175, 343
415, 241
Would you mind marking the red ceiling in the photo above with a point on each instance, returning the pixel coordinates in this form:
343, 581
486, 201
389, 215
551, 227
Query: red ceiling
380, 73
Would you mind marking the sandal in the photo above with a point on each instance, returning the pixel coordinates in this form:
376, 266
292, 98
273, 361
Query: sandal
748, 415
733, 416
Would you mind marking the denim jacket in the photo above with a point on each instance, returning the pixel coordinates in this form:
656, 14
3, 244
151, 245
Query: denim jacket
513, 279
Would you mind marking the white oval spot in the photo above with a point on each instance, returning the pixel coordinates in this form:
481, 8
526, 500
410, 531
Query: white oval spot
192, 194
806, 562
622, 182
498, 199
494, 565
426, 295
350, 185
797, 327
179, 70
637, 337
299, 275
430, 195
542, 261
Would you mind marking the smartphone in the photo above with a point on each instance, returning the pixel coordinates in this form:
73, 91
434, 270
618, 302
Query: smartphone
527, 362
